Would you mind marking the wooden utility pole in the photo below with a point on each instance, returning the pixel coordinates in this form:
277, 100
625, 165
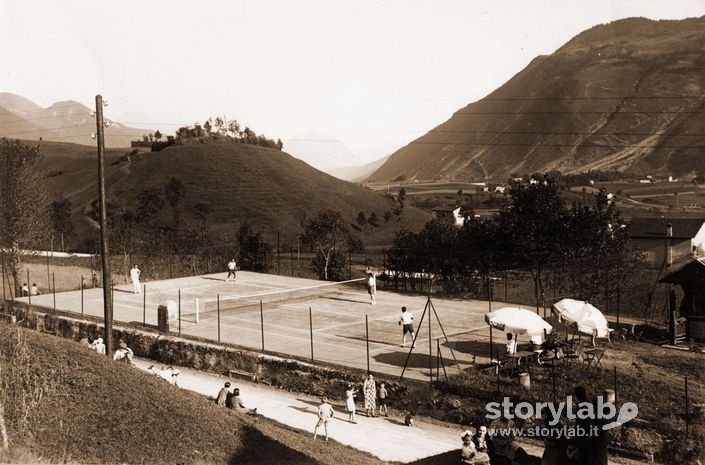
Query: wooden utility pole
105, 256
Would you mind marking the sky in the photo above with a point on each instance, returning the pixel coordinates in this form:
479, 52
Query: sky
374, 74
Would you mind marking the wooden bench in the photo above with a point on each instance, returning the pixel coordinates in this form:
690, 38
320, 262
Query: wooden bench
242, 374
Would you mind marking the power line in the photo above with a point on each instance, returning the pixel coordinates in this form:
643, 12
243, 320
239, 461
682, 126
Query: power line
577, 145
560, 133
563, 113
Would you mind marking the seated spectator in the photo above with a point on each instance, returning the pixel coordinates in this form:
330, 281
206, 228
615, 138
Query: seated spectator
223, 395
98, 346
123, 353
511, 344
469, 453
238, 405
24, 290
482, 440
34, 290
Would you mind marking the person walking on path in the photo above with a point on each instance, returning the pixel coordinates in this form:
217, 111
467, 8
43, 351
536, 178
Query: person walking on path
135, 277
383, 399
223, 395
371, 287
407, 320
369, 388
325, 413
350, 403
232, 269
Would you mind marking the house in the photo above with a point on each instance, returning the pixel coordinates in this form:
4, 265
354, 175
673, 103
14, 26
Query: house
450, 212
687, 238
691, 277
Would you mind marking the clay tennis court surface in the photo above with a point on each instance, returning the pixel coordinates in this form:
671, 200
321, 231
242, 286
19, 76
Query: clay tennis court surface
337, 317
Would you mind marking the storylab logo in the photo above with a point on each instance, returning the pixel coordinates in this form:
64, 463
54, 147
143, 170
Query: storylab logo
601, 412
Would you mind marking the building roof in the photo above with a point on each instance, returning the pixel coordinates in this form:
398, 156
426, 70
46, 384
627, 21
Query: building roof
655, 227
691, 271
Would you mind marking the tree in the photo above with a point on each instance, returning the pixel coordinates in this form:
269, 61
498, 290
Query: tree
174, 191
61, 223
157, 135
325, 233
149, 202
207, 126
203, 210
401, 201
387, 216
535, 225
372, 220
280, 144
24, 211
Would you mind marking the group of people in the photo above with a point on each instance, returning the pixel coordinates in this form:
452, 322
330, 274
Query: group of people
29, 291
168, 374
371, 395
123, 352
232, 399
501, 448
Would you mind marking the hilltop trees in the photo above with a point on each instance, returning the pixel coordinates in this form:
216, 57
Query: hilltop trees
218, 131
24, 211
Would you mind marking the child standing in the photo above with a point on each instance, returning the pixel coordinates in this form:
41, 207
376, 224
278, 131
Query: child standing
350, 403
325, 413
383, 399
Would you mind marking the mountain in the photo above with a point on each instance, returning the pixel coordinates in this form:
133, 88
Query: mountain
624, 96
66, 121
357, 173
322, 152
243, 184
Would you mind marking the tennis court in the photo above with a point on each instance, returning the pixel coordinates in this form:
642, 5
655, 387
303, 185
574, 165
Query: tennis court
302, 317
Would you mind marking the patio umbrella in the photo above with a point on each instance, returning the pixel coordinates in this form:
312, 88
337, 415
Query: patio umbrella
518, 321
588, 318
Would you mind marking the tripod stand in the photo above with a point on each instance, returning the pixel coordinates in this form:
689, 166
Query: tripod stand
431, 309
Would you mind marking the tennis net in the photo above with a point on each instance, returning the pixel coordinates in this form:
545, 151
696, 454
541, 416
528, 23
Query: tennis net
326, 290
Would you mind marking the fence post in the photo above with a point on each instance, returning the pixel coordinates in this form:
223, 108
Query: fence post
310, 326
367, 340
261, 322
687, 408
29, 288
3, 277
615, 384
53, 286
179, 312
81, 295
144, 305
217, 299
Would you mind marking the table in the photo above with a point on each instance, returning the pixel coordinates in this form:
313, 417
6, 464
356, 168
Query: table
514, 360
593, 357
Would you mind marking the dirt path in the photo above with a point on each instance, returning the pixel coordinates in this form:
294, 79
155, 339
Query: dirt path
384, 437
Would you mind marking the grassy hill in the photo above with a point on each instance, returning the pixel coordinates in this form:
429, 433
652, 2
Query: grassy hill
266, 188
624, 96
65, 403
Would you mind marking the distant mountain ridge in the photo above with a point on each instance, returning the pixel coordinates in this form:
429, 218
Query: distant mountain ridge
322, 152
626, 96
64, 121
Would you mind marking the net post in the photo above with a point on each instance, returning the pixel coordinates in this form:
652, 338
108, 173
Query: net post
53, 285
179, 312
81, 295
261, 322
217, 299
29, 289
198, 310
